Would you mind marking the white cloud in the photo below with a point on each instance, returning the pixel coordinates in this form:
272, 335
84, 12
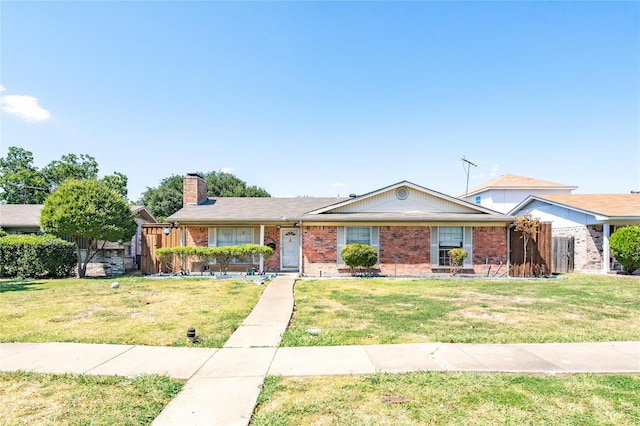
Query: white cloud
495, 169
227, 170
2, 89
339, 185
25, 107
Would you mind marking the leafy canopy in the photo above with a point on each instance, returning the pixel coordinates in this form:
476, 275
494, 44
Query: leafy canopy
625, 247
23, 183
166, 199
87, 209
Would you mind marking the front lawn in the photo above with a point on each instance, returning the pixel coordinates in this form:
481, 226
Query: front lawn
142, 311
434, 398
61, 399
570, 308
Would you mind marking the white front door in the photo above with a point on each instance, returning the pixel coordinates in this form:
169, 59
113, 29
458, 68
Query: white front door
290, 249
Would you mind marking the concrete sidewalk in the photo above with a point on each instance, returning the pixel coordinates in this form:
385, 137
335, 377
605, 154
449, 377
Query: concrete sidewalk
223, 384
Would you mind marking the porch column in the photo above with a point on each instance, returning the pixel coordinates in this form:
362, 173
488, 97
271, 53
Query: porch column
261, 243
606, 251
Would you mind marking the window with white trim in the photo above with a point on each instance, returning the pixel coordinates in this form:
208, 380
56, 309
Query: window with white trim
369, 235
445, 238
219, 237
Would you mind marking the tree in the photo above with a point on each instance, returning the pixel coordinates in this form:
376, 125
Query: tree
625, 247
20, 180
22, 183
166, 199
87, 210
528, 225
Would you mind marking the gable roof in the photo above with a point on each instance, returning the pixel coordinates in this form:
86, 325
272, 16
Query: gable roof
251, 209
510, 181
611, 206
381, 205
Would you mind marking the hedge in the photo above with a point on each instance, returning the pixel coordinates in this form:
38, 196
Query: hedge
36, 256
222, 255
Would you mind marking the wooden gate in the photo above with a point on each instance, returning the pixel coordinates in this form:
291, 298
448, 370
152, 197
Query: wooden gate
563, 254
155, 236
538, 253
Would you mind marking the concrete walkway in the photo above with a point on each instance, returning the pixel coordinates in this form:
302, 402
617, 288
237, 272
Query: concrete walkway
223, 384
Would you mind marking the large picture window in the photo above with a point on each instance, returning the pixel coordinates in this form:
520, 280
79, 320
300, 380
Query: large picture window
230, 236
449, 237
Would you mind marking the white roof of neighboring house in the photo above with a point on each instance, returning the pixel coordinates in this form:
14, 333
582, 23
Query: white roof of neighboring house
510, 181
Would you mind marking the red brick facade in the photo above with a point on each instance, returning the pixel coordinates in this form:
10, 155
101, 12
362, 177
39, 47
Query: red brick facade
490, 248
320, 250
404, 250
197, 236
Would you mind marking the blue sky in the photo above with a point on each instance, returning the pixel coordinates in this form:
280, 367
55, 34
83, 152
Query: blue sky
328, 98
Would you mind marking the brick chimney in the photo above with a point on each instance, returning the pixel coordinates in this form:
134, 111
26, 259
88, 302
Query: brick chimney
194, 190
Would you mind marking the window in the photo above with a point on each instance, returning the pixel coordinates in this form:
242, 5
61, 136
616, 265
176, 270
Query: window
449, 237
230, 236
358, 234
369, 235
478, 199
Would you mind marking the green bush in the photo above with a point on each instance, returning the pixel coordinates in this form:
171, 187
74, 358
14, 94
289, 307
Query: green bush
625, 247
456, 259
36, 256
222, 255
359, 256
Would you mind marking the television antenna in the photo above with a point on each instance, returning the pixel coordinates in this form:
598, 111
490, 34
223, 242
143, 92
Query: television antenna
466, 165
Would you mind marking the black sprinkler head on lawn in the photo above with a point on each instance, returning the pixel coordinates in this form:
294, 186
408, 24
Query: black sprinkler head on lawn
191, 334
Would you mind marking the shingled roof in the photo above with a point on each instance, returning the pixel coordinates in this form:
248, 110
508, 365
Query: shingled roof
610, 205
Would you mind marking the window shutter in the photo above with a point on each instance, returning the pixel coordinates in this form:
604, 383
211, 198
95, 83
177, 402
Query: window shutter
468, 245
212, 237
340, 244
375, 240
434, 246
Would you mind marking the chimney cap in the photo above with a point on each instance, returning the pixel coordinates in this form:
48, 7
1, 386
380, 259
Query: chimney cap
195, 174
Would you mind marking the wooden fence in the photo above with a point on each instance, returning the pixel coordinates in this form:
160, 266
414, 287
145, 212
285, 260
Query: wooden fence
539, 253
155, 236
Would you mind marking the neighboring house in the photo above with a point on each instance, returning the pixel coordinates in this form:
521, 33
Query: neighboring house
114, 259
411, 227
589, 218
507, 191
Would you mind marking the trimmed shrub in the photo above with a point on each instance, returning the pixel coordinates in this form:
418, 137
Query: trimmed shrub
359, 256
36, 256
625, 247
222, 255
456, 259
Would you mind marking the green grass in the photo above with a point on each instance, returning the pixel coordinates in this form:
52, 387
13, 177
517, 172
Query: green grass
433, 398
142, 311
571, 308
55, 399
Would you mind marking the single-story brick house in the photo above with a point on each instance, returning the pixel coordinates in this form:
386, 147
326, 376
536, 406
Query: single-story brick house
411, 227
113, 259
589, 219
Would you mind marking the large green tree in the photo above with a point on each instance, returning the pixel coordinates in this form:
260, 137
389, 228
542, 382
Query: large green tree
166, 199
90, 211
23, 183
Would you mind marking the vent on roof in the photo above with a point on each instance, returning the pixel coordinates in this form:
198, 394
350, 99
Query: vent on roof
352, 195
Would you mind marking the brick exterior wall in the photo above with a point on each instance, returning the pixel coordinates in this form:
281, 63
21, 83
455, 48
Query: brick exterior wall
404, 251
272, 236
197, 236
489, 248
108, 262
587, 248
194, 190
320, 259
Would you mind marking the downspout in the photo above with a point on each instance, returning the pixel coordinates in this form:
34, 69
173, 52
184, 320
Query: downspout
262, 243
509, 249
606, 250
301, 265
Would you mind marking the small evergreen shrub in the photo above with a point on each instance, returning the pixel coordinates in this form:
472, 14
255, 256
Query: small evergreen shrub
456, 259
359, 256
625, 247
36, 256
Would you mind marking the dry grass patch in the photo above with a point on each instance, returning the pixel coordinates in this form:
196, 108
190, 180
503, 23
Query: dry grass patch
141, 311
449, 399
573, 308
55, 399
